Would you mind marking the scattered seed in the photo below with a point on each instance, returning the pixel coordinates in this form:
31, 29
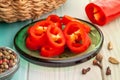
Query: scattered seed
110, 46
99, 57
84, 71
113, 60
108, 71
95, 62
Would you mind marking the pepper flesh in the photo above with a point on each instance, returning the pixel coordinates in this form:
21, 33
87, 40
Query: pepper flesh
55, 19
48, 51
66, 19
30, 45
36, 33
55, 36
102, 12
55, 42
76, 38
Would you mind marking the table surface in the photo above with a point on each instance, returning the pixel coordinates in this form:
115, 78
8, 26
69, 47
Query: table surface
75, 8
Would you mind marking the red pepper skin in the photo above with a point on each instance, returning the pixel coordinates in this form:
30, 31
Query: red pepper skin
31, 45
79, 44
36, 34
48, 51
78, 48
66, 19
55, 19
102, 12
55, 37
55, 42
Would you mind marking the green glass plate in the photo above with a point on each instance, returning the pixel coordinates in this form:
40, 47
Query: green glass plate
67, 58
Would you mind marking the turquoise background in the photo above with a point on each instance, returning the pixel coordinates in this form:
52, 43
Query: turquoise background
7, 33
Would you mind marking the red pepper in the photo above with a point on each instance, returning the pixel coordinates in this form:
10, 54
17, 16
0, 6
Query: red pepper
102, 12
37, 32
55, 19
55, 37
55, 42
31, 45
48, 51
66, 19
77, 39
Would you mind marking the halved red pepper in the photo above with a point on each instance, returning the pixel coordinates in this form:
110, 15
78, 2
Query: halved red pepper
36, 33
66, 19
76, 38
102, 12
55, 37
48, 51
55, 19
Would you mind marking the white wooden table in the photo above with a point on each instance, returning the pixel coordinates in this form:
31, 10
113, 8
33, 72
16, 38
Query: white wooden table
75, 8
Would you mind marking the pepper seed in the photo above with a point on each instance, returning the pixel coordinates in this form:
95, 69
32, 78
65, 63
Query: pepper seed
110, 46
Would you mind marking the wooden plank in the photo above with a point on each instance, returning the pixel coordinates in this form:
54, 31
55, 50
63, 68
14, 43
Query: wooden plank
75, 9
64, 73
111, 33
7, 33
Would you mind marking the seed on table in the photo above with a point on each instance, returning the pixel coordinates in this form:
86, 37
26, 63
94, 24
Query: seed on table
95, 62
84, 71
108, 71
110, 46
99, 57
113, 60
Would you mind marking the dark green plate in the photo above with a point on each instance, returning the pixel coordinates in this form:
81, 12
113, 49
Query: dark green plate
67, 58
